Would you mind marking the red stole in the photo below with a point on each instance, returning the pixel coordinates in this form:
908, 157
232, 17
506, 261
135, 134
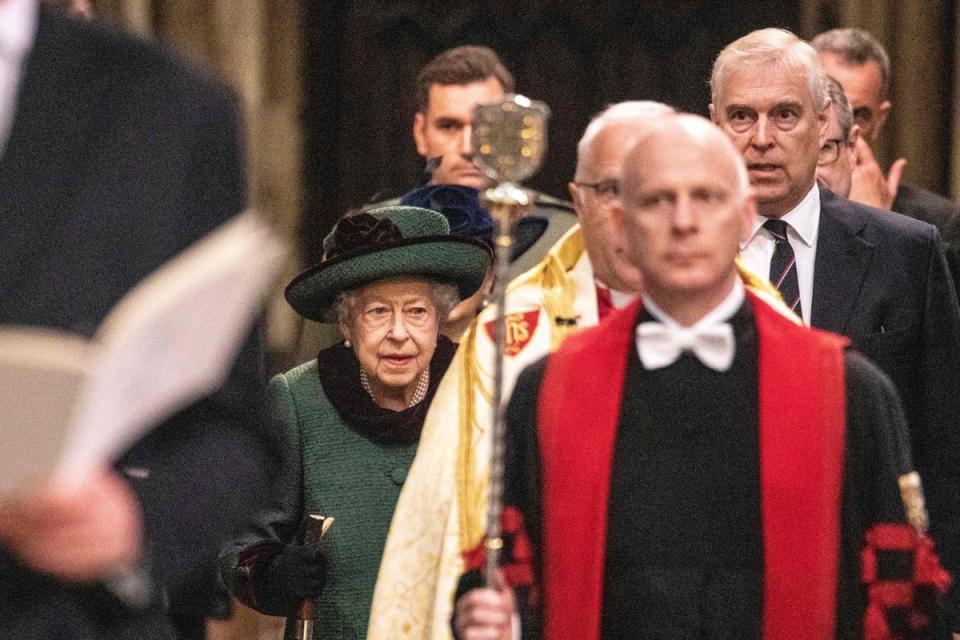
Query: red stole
802, 407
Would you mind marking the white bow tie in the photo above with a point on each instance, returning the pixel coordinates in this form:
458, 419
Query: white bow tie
659, 345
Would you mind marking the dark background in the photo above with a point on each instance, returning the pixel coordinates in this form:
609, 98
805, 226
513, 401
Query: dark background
361, 58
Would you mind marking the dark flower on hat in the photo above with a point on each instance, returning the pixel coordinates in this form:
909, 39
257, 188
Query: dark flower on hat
459, 205
362, 231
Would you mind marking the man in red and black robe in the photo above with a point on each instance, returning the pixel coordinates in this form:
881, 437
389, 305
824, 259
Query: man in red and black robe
700, 466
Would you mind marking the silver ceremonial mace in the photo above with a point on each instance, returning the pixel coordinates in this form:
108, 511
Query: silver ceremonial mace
509, 140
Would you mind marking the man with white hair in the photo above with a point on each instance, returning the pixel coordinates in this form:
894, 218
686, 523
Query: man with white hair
879, 278
676, 495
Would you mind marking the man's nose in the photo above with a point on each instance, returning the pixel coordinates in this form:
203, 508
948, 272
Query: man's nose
762, 134
684, 215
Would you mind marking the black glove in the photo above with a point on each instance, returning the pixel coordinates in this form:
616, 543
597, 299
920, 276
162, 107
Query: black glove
294, 574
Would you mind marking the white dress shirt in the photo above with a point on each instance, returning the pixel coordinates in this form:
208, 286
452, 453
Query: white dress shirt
18, 27
803, 222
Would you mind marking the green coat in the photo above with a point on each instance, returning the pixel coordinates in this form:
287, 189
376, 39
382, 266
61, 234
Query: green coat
340, 474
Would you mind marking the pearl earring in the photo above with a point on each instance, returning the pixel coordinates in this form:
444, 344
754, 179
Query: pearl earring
346, 343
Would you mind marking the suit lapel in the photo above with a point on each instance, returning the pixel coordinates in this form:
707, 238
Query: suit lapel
41, 169
842, 261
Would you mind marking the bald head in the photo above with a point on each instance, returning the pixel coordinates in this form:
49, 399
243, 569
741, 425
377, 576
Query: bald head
687, 206
631, 116
595, 190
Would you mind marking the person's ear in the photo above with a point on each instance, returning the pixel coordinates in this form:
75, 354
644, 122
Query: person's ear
346, 333
575, 197
419, 133
882, 114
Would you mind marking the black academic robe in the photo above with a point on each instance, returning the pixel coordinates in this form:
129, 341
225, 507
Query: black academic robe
684, 554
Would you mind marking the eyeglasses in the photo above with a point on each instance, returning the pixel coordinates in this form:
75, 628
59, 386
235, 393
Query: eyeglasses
605, 189
830, 152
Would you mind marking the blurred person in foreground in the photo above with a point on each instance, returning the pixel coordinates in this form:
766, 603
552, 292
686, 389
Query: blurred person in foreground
116, 156
353, 415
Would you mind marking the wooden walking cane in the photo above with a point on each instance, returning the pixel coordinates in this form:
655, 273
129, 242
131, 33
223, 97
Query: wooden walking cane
509, 140
315, 528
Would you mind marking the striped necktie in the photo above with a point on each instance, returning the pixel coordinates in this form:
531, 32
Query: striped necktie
783, 265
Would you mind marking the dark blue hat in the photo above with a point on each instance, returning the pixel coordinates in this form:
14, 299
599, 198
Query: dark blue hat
461, 207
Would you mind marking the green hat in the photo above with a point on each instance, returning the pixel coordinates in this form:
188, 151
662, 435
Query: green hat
384, 243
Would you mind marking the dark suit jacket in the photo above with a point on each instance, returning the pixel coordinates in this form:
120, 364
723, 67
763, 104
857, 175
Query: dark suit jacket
881, 279
927, 206
120, 157
942, 213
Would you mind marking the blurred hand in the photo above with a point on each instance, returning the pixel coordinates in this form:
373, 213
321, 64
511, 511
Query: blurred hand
868, 184
81, 536
484, 614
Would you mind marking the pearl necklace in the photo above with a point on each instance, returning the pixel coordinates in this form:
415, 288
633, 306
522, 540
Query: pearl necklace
423, 381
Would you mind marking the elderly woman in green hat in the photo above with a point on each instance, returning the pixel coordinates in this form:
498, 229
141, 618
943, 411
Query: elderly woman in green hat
389, 277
